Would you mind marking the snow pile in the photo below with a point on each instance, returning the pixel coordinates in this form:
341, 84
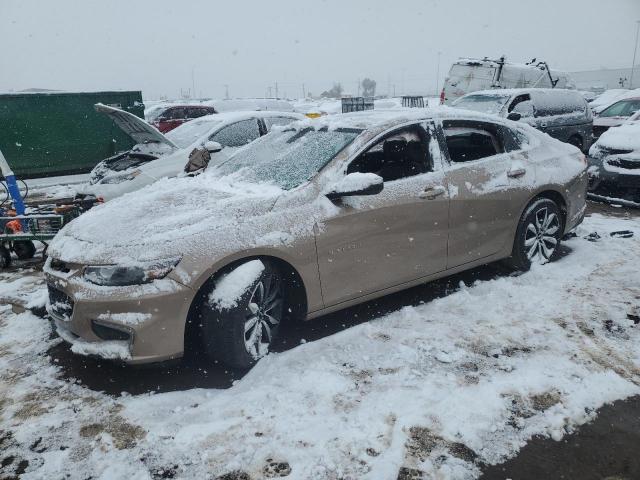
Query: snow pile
232, 286
441, 387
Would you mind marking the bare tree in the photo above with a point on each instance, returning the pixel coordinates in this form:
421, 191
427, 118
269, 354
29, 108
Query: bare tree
368, 88
334, 92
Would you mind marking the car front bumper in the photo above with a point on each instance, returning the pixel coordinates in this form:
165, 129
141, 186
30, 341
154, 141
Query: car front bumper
136, 324
609, 182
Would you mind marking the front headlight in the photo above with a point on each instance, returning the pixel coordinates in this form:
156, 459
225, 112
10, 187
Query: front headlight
118, 276
121, 178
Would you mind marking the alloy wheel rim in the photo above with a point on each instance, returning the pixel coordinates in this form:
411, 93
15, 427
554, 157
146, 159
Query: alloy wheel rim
262, 316
541, 236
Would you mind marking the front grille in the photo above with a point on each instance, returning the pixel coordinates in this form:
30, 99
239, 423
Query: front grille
614, 151
621, 163
60, 304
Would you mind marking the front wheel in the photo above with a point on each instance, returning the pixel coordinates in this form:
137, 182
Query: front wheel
538, 235
242, 313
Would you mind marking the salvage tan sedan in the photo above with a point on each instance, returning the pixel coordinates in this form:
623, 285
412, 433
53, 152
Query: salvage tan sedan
312, 218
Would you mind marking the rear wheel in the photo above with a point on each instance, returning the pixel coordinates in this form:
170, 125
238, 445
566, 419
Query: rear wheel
576, 141
538, 235
25, 249
242, 334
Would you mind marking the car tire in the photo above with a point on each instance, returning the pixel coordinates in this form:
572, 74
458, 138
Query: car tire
576, 141
5, 257
538, 235
25, 249
236, 336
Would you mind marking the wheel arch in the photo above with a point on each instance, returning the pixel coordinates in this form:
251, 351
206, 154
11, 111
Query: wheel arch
552, 194
296, 297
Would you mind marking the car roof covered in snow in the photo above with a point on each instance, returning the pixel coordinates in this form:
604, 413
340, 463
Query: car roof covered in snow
516, 91
382, 120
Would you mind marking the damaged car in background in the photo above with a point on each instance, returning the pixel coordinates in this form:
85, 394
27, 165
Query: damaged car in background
312, 218
157, 155
614, 164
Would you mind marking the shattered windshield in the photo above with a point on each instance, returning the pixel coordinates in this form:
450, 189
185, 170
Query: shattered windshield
288, 158
491, 104
189, 132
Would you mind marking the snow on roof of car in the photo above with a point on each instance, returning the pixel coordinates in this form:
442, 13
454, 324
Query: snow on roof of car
515, 91
380, 119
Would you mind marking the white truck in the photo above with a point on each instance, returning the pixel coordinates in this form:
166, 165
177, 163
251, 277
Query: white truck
469, 75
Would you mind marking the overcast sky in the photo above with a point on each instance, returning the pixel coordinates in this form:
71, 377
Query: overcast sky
155, 45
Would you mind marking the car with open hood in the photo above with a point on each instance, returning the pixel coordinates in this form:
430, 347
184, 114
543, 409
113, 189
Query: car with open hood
311, 218
156, 155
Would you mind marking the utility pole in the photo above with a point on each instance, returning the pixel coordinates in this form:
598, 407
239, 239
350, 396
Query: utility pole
635, 50
438, 74
304, 94
276, 89
358, 87
226, 91
193, 81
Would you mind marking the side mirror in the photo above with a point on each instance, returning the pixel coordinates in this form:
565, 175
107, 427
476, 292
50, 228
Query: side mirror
356, 184
212, 147
515, 116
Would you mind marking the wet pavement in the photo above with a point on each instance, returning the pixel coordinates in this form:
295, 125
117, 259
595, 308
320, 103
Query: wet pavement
606, 448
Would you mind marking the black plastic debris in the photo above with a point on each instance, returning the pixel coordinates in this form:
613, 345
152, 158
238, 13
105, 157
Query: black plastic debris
622, 234
593, 237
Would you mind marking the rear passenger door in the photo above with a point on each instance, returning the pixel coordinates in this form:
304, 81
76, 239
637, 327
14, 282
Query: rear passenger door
487, 173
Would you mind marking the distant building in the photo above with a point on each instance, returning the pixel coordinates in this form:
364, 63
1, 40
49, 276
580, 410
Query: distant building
606, 78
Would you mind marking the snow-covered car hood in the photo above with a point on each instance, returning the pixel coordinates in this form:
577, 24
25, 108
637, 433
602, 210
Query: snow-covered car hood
624, 137
171, 217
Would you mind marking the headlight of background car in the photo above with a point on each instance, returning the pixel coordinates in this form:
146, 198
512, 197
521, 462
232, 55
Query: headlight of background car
115, 275
121, 178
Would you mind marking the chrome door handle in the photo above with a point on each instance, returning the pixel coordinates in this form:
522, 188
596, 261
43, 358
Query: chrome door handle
518, 172
431, 193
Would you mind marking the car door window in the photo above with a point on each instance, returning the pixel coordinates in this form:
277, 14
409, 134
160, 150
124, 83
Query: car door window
237, 134
468, 141
522, 104
402, 154
176, 114
271, 121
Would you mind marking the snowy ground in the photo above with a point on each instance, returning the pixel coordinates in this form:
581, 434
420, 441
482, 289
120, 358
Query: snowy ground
430, 391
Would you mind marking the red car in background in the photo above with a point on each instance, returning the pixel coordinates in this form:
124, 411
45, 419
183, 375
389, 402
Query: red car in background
175, 115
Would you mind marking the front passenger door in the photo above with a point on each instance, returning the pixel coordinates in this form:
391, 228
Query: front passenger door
396, 236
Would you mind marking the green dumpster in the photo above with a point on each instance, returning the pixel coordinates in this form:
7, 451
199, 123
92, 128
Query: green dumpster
60, 133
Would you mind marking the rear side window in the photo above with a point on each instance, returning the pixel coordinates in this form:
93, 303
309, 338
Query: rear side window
467, 141
551, 103
175, 114
271, 121
237, 134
